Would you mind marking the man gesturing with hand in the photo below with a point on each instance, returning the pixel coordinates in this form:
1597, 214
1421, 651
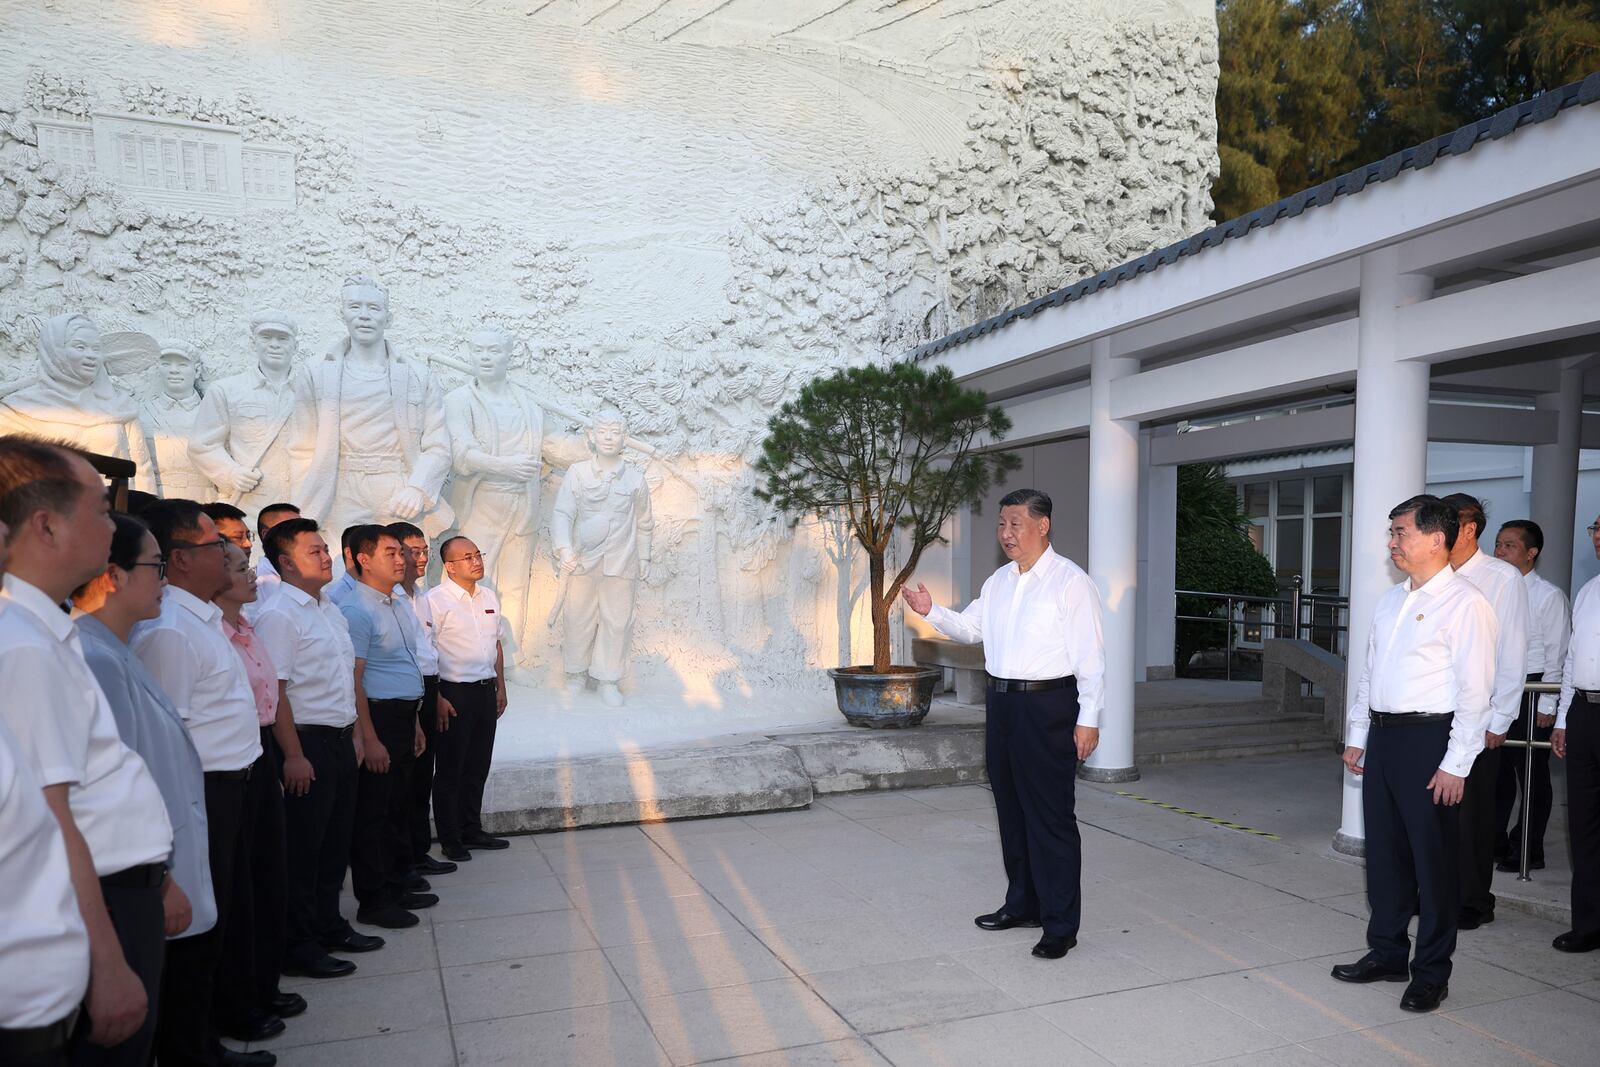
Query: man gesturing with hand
1039, 620
1416, 725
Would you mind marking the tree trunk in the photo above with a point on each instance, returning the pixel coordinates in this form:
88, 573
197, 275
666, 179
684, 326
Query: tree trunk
880, 614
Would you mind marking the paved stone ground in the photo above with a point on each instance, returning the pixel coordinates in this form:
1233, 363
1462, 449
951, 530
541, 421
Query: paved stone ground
843, 935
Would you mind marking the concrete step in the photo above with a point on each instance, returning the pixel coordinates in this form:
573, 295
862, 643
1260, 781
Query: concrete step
1202, 733
1234, 745
1229, 710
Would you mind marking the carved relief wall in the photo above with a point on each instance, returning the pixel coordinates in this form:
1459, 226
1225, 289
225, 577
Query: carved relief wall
681, 209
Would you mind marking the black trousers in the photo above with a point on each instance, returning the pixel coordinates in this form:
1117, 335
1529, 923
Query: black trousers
1583, 813
187, 1036
317, 830
141, 931
421, 803
1032, 759
252, 945
1478, 833
380, 847
462, 766
1413, 849
1513, 765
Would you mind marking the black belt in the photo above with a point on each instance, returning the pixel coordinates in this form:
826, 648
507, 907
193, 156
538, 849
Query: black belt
328, 731
145, 876
1590, 696
408, 704
1410, 718
481, 681
240, 775
1027, 685
36, 1040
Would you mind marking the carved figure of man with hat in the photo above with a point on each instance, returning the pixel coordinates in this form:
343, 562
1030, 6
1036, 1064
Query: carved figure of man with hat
240, 434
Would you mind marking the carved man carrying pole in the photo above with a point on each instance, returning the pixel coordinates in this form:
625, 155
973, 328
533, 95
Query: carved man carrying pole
240, 439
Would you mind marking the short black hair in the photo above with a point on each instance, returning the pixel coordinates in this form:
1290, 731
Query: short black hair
35, 475
1532, 535
126, 543
171, 520
1468, 509
280, 539
1036, 501
362, 540
262, 526
1432, 516
402, 530
218, 510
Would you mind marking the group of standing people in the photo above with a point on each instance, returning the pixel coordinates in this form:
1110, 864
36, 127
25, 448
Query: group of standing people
194, 750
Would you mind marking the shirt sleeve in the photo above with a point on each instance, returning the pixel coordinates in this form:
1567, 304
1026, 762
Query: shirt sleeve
277, 636
1557, 630
170, 659
1510, 655
359, 624
1086, 645
1475, 635
59, 743
114, 683
966, 626
1358, 723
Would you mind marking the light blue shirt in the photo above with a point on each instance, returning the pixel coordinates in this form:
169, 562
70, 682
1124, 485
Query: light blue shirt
380, 636
151, 726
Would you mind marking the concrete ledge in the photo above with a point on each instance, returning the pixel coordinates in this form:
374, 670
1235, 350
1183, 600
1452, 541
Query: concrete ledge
939, 754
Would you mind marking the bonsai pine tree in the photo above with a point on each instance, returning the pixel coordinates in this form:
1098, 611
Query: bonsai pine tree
890, 448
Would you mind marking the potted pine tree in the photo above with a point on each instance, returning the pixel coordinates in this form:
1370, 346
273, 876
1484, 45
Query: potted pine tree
891, 451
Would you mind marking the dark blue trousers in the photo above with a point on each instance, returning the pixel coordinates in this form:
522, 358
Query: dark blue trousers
1032, 759
1413, 850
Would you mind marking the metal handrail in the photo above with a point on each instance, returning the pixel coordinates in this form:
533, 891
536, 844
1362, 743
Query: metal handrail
1530, 692
1295, 603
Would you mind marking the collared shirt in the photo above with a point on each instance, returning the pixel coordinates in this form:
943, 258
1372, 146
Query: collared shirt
44, 948
1037, 624
257, 666
309, 644
1430, 650
1582, 667
1502, 584
152, 727
268, 581
185, 650
467, 630
1549, 627
427, 655
380, 637
60, 718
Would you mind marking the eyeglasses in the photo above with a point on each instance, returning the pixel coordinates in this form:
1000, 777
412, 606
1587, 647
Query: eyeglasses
220, 542
159, 565
473, 557
1592, 527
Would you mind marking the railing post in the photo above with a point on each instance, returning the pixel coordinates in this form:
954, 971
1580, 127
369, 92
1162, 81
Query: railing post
1294, 607
1228, 646
1530, 702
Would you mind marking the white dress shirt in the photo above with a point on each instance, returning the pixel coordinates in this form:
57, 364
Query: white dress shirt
1582, 667
44, 948
60, 718
467, 630
309, 644
427, 655
1035, 625
1431, 650
195, 665
1502, 584
268, 580
1549, 627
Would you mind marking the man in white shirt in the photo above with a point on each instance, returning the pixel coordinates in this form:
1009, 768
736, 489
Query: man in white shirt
1576, 739
112, 819
1502, 585
468, 631
1415, 726
1520, 543
306, 637
1039, 620
267, 577
187, 653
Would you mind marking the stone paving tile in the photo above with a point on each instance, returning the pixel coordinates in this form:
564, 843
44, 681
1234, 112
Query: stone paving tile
576, 1037
506, 937
1420, 1041
1303, 929
626, 922
423, 1048
1014, 1039
1309, 877
759, 906
1283, 1056
874, 805
486, 899
892, 996
711, 1024
1300, 1000
1586, 989
521, 860
1163, 1026
954, 797
837, 944
402, 951
591, 887
351, 1007
661, 968
1088, 970
1225, 849
1555, 1024
1521, 943
1192, 947
531, 984
851, 1053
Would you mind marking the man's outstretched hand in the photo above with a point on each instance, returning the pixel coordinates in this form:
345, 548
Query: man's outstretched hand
919, 599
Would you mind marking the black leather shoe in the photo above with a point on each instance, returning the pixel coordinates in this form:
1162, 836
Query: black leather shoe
264, 1028
479, 839
458, 853
429, 865
287, 1005
1423, 996
1051, 947
1471, 920
415, 883
999, 920
390, 917
1515, 866
1369, 969
418, 901
1572, 941
255, 1058
354, 941
323, 967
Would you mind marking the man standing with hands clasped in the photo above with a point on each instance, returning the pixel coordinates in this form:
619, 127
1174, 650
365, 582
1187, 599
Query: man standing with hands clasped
1418, 717
1039, 620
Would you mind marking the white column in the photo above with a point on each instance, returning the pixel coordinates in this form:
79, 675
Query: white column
1391, 464
1555, 476
1114, 559
1158, 557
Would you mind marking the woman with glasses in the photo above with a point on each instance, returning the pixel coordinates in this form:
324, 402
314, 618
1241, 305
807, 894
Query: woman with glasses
107, 607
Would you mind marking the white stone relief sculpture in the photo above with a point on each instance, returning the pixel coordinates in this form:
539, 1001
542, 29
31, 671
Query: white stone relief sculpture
169, 421
240, 435
74, 400
600, 530
499, 447
367, 440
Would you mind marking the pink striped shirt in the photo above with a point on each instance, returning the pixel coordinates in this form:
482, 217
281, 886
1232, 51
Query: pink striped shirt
258, 665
